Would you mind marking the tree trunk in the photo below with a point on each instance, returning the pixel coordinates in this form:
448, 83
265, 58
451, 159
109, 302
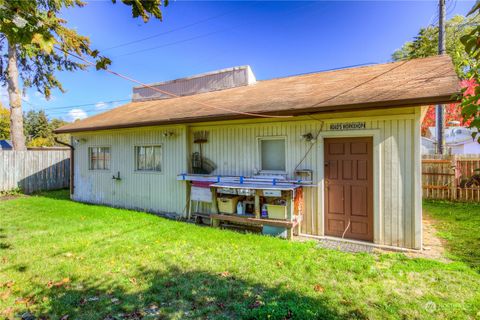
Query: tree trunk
15, 100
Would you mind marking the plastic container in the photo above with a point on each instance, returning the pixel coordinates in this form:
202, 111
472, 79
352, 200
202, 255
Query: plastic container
264, 212
276, 211
240, 208
227, 204
275, 231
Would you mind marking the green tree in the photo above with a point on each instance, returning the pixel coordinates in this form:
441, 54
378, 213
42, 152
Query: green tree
4, 123
38, 43
425, 44
37, 125
55, 124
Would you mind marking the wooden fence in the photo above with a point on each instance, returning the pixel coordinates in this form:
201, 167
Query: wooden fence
445, 177
34, 170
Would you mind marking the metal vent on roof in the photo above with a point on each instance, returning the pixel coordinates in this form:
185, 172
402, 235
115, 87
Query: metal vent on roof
205, 82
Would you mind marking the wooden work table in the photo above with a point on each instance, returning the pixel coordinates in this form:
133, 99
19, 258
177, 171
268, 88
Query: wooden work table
289, 224
288, 188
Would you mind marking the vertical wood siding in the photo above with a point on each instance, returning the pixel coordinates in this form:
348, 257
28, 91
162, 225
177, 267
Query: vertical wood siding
148, 191
234, 149
34, 170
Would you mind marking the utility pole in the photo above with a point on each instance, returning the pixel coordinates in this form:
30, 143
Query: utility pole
441, 50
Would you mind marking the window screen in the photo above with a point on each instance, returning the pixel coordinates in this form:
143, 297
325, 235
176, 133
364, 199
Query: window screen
99, 158
148, 158
272, 152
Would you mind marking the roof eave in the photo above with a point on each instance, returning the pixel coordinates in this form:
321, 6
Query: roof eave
292, 112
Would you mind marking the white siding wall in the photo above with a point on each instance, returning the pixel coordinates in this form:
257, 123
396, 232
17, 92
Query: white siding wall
233, 147
158, 192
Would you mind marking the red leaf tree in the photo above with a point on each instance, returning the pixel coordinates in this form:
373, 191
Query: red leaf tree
453, 112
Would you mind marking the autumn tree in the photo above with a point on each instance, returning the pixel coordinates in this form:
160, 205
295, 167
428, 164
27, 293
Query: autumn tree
471, 85
4, 123
425, 44
38, 43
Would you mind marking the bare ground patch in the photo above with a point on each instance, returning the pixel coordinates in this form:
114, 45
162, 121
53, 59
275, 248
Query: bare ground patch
433, 245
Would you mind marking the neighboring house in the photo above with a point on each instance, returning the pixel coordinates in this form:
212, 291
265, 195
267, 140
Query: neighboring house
6, 145
458, 140
356, 130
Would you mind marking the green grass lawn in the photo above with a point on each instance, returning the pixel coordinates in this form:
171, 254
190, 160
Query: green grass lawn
459, 224
59, 258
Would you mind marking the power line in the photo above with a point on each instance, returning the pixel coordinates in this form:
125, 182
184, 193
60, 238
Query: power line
170, 93
179, 41
170, 31
88, 104
198, 36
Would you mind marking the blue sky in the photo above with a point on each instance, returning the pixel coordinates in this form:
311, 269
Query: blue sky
276, 39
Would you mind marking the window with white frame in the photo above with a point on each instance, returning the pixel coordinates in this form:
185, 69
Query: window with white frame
99, 158
148, 158
272, 154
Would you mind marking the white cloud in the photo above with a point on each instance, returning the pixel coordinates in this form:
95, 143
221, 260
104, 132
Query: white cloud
101, 105
25, 97
76, 114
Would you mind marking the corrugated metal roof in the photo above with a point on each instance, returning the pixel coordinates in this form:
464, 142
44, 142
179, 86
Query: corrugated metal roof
201, 83
406, 83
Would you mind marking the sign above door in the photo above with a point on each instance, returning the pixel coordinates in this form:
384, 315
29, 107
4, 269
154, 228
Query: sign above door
347, 126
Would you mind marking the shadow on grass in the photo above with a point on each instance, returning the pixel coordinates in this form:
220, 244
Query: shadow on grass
177, 294
60, 194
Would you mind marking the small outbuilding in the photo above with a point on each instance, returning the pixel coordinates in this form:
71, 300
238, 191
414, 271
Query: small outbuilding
325, 154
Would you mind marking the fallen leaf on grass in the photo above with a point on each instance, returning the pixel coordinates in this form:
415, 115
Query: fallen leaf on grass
318, 288
25, 301
7, 312
64, 317
133, 281
4, 295
225, 274
58, 284
8, 284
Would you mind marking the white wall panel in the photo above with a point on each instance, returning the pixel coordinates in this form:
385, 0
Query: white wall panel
233, 147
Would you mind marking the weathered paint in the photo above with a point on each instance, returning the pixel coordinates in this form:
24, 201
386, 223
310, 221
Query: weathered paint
233, 147
149, 191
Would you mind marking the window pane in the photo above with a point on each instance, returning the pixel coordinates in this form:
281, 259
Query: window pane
99, 158
90, 156
273, 154
107, 158
149, 158
158, 155
140, 158
94, 158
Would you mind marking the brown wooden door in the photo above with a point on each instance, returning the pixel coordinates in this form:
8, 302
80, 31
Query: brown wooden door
349, 188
